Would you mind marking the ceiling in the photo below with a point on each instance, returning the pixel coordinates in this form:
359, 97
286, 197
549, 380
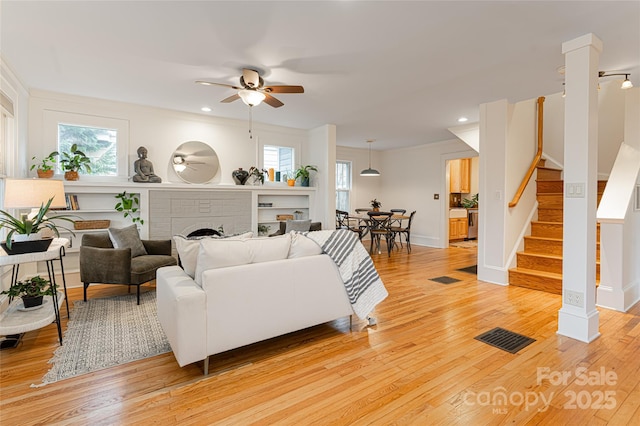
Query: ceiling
398, 72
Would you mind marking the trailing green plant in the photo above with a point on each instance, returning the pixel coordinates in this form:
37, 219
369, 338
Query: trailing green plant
46, 164
33, 287
26, 226
128, 205
75, 160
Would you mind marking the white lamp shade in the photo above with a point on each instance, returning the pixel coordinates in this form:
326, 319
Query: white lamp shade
627, 84
30, 193
251, 97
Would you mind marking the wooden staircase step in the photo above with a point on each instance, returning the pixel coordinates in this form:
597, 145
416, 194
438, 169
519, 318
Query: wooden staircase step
536, 280
549, 215
544, 173
540, 262
546, 229
541, 245
549, 186
557, 186
551, 200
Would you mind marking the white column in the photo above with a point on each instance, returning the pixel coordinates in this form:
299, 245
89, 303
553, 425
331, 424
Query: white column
578, 317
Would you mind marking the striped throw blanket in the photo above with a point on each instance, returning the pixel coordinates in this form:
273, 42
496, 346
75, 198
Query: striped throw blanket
361, 280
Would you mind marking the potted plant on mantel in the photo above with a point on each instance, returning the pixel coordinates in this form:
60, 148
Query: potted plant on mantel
24, 234
303, 173
375, 205
31, 291
45, 167
73, 162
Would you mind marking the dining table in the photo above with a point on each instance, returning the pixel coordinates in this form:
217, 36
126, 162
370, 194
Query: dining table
359, 219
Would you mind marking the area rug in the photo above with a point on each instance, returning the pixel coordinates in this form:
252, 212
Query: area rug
465, 244
106, 332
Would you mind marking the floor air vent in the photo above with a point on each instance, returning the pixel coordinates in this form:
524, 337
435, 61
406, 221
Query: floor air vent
505, 339
473, 269
444, 280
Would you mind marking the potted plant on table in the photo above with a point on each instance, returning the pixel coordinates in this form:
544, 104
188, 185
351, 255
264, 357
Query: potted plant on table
303, 173
31, 291
28, 229
375, 205
73, 162
45, 167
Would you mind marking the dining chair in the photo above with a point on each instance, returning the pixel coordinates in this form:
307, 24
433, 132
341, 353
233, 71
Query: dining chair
380, 226
404, 230
342, 222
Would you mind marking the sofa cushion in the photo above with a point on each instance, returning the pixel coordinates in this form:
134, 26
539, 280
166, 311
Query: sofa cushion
297, 225
302, 246
188, 247
222, 253
127, 238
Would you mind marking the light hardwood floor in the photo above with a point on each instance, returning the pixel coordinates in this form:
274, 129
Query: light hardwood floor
419, 365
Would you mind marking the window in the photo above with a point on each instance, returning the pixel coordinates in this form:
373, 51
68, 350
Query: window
100, 145
343, 185
279, 158
103, 139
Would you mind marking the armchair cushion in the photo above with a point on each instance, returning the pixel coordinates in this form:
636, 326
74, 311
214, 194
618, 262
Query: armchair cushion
127, 238
297, 225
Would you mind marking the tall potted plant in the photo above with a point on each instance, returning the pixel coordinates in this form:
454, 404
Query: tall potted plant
303, 173
73, 162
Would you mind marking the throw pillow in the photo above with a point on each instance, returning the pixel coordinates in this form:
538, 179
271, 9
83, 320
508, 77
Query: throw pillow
188, 248
302, 246
220, 253
297, 225
267, 249
127, 238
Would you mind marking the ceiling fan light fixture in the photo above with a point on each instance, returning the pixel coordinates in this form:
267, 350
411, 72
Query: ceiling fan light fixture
369, 171
251, 97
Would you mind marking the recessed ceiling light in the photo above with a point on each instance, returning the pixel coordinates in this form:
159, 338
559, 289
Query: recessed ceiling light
462, 119
206, 109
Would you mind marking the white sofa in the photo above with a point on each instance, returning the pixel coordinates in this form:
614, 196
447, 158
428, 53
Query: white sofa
239, 293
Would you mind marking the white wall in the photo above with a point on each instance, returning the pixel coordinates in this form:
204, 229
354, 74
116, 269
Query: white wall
411, 177
611, 118
161, 131
364, 188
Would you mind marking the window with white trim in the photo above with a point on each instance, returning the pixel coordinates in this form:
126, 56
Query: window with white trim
104, 140
279, 158
343, 185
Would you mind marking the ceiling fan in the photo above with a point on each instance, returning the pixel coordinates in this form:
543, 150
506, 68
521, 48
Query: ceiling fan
252, 90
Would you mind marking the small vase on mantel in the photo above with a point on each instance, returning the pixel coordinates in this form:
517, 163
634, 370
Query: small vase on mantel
240, 176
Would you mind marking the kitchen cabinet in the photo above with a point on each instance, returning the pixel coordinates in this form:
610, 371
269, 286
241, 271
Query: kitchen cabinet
458, 228
460, 175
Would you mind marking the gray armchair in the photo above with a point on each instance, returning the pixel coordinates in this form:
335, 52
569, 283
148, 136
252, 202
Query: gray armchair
103, 264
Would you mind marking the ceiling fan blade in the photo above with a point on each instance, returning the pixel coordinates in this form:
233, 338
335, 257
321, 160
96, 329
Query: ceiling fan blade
251, 77
211, 83
283, 89
270, 100
230, 99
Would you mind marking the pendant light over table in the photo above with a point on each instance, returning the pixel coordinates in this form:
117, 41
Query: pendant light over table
370, 171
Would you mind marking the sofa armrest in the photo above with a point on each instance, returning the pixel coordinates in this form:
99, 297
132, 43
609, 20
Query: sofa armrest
105, 265
161, 247
182, 313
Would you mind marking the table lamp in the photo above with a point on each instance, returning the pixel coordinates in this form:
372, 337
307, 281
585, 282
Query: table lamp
33, 193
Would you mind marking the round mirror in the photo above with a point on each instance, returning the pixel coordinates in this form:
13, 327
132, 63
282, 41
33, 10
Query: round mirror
195, 162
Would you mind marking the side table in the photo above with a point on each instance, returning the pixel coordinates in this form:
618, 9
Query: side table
15, 319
